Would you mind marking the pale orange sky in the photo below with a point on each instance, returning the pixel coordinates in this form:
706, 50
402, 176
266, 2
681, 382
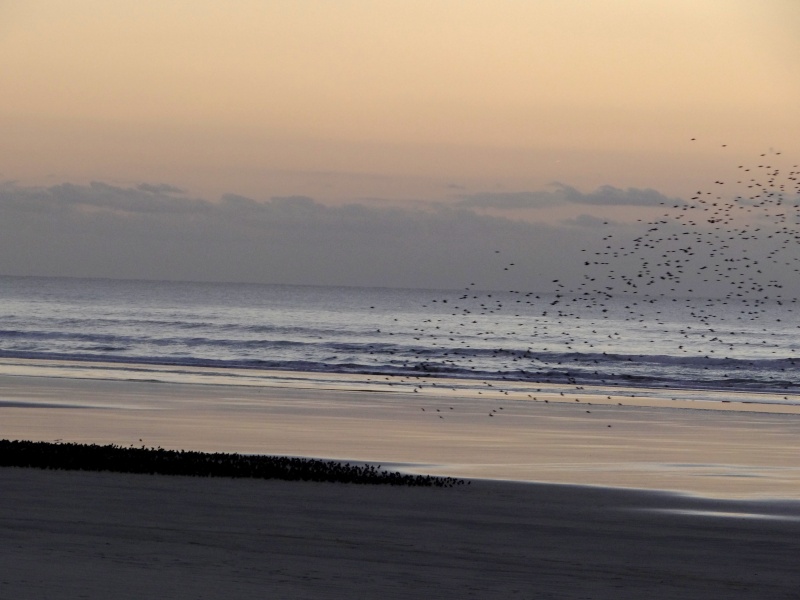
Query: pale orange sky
396, 100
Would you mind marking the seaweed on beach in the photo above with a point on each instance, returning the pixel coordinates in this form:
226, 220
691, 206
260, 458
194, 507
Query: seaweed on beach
120, 459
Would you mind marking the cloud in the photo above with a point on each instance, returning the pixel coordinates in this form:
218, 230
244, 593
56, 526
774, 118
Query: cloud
606, 195
97, 196
585, 220
159, 188
103, 230
609, 195
510, 200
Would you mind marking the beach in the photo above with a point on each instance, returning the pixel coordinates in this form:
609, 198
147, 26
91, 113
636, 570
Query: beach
693, 500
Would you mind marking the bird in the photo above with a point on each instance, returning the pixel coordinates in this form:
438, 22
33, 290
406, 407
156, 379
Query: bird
736, 235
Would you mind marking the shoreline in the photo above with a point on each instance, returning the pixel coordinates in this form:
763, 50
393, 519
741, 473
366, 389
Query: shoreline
95, 535
680, 398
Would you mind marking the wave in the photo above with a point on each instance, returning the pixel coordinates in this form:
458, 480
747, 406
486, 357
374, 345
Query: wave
718, 379
390, 332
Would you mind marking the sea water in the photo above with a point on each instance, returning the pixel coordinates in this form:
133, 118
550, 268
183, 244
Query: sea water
523, 339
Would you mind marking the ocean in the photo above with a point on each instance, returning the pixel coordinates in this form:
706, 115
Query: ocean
517, 340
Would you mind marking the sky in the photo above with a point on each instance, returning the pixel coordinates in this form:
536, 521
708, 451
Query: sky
371, 142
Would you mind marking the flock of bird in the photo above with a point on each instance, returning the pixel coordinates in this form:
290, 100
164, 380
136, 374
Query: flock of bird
119, 459
720, 260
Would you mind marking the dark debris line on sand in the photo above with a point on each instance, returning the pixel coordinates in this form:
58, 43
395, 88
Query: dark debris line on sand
91, 457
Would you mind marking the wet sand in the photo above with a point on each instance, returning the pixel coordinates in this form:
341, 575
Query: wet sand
643, 443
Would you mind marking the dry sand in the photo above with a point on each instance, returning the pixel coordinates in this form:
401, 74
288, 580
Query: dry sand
101, 535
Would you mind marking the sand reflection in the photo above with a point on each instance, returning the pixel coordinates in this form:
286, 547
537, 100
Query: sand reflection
724, 453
